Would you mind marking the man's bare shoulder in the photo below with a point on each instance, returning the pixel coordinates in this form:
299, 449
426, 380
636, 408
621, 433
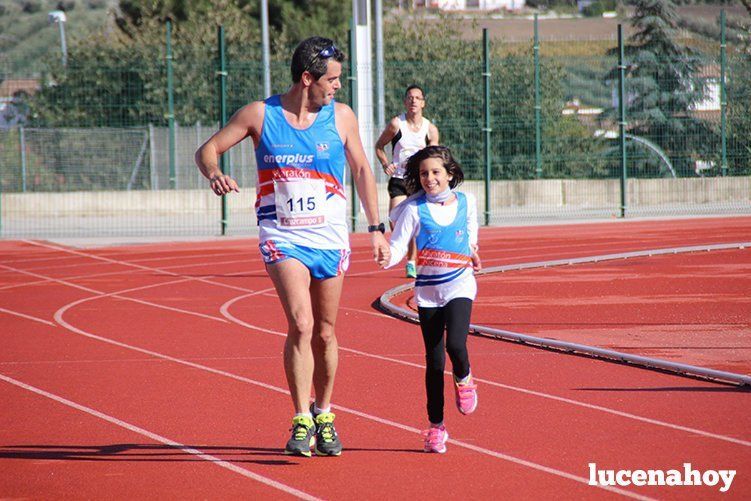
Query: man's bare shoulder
393, 125
343, 110
250, 113
346, 120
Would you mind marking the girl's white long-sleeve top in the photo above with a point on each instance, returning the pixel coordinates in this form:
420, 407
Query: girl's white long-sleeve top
406, 221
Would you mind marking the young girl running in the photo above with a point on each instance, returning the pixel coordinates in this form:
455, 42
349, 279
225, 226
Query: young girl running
444, 223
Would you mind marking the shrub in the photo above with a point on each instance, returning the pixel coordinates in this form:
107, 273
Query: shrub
31, 6
593, 10
66, 5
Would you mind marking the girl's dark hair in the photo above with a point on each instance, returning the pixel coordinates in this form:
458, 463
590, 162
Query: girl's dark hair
412, 174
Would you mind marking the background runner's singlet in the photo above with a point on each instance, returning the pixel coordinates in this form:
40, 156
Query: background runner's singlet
300, 195
408, 142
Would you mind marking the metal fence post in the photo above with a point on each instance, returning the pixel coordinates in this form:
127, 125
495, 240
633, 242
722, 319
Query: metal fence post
723, 97
224, 158
486, 129
353, 102
154, 173
538, 106
622, 118
22, 141
380, 97
170, 108
265, 48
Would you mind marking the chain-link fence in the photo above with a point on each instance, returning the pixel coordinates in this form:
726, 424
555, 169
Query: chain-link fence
98, 154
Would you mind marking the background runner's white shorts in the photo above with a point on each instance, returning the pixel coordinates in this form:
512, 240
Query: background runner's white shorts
322, 263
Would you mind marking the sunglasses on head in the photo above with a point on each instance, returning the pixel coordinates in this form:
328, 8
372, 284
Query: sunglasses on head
324, 53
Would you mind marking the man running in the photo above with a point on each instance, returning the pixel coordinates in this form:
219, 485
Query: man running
408, 133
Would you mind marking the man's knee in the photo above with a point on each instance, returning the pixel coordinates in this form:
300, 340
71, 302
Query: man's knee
324, 333
301, 329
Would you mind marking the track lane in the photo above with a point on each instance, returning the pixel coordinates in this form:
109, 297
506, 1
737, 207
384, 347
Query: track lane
352, 332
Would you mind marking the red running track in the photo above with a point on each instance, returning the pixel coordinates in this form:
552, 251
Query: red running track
155, 371
689, 307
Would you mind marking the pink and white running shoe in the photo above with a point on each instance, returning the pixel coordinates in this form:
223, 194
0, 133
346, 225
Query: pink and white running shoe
466, 396
435, 439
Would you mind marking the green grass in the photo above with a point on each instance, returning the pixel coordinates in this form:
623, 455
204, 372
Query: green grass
27, 40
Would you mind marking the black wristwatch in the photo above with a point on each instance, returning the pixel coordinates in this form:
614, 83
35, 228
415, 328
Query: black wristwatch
379, 227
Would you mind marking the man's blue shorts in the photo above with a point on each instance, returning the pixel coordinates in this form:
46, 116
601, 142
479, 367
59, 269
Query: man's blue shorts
322, 263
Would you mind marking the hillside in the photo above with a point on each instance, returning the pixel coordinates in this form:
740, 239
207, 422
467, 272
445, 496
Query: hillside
599, 31
28, 39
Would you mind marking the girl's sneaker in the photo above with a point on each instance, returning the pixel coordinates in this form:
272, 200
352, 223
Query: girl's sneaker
466, 395
435, 439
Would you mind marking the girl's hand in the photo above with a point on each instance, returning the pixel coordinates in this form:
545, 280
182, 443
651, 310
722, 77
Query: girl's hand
476, 263
381, 249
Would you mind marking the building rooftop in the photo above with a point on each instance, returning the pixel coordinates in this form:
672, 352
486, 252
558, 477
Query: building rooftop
9, 88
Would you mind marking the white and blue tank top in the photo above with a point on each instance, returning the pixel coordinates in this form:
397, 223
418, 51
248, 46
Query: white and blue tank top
300, 194
443, 252
444, 235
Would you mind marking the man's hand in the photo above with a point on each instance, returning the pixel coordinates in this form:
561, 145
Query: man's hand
381, 250
222, 184
390, 169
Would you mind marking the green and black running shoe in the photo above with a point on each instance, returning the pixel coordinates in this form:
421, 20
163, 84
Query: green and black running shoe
303, 435
327, 441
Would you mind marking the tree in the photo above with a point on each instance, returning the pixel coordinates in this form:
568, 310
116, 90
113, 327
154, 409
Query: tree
120, 79
739, 103
296, 20
663, 84
449, 68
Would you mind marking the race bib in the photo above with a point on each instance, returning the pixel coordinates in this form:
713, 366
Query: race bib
300, 203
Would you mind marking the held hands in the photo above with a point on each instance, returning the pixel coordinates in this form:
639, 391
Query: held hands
390, 169
381, 250
222, 184
476, 263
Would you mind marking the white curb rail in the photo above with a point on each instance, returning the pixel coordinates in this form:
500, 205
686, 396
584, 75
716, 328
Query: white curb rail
580, 349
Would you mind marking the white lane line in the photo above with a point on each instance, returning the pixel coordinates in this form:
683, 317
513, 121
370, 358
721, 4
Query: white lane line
125, 263
498, 455
146, 360
59, 318
123, 272
159, 438
365, 312
116, 294
45, 277
224, 309
27, 317
139, 260
31, 260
